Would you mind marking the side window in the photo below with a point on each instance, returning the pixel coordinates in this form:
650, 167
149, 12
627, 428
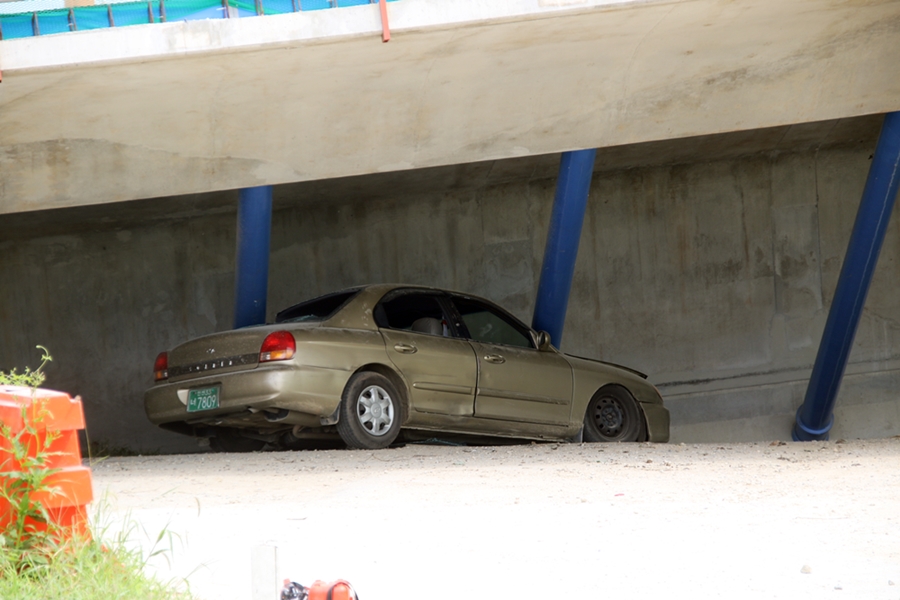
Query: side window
487, 325
417, 312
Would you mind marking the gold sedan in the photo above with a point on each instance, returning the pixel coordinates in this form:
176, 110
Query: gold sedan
365, 363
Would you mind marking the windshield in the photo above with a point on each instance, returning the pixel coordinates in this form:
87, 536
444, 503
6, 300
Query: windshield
317, 309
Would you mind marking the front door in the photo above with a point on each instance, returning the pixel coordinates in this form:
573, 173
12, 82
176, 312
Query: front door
516, 381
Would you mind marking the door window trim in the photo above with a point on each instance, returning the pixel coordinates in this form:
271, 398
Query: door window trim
511, 320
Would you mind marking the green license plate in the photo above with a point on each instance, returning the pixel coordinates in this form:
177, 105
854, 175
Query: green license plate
203, 399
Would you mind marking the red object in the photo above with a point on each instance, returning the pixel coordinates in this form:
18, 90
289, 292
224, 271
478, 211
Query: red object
278, 345
336, 590
385, 29
161, 367
69, 487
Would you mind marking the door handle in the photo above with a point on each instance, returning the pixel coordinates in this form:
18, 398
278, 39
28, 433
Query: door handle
495, 358
405, 348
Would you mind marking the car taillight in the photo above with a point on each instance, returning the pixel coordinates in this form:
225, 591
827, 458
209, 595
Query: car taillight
279, 345
161, 367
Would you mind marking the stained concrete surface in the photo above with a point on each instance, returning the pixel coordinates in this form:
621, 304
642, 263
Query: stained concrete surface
191, 107
795, 138
711, 269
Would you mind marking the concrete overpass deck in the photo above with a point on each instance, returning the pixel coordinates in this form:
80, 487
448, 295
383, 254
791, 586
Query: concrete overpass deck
179, 108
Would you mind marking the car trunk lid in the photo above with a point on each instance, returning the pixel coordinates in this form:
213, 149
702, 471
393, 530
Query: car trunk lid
225, 352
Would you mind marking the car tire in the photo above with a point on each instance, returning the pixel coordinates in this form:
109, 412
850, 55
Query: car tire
227, 441
613, 416
370, 412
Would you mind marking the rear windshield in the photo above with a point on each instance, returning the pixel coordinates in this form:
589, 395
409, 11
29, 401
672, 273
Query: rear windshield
317, 309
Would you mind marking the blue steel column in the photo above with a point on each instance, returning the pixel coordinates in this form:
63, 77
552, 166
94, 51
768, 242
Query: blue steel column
815, 416
251, 270
558, 268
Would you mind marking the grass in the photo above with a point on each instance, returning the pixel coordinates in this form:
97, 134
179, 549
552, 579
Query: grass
39, 560
84, 571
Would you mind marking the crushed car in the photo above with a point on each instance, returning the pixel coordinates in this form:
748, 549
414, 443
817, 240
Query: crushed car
369, 364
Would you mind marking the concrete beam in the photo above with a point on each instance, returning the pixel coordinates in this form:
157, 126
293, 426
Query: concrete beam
178, 108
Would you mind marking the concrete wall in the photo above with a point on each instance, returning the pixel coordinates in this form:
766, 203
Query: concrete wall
714, 277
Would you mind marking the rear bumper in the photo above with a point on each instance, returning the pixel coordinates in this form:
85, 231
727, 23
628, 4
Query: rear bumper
313, 391
657, 417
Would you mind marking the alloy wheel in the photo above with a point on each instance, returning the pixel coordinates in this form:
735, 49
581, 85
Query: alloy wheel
375, 410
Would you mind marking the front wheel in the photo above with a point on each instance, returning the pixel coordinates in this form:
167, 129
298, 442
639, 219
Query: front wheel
370, 412
613, 416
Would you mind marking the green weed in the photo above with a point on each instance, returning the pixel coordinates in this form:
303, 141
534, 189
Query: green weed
28, 533
28, 378
87, 570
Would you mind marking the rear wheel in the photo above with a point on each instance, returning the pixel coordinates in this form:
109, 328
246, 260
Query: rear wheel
229, 441
370, 412
613, 416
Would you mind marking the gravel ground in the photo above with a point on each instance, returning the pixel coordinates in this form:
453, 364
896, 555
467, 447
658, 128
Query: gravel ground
757, 520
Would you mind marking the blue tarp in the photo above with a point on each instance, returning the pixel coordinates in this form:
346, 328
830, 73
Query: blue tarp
138, 13
16, 26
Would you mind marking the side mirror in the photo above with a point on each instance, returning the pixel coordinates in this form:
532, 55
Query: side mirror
543, 341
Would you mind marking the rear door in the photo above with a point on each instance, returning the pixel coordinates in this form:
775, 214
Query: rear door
516, 381
425, 346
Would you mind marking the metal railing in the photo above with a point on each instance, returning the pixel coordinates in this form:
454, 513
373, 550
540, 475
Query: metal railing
45, 17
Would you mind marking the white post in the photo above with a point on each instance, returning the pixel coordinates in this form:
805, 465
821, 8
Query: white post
263, 573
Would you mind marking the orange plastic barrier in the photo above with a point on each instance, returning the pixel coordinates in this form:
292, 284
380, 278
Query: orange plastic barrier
68, 489
336, 590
